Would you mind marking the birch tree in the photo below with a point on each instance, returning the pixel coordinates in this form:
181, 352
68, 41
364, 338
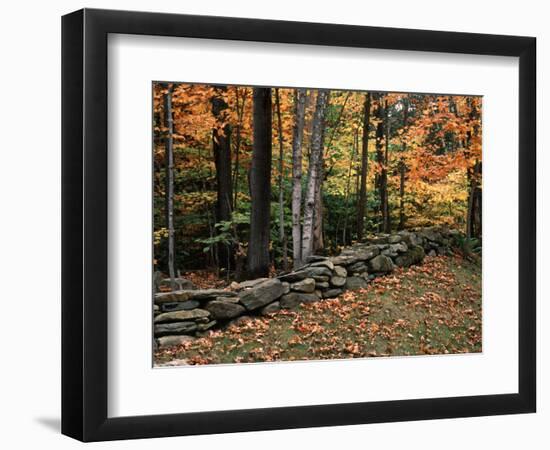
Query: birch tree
315, 161
298, 133
169, 177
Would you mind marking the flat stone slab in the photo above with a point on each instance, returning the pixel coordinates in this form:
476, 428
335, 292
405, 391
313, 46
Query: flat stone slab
220, 310
173, 341
293, 299
180, 316
179, 306
174, 328
261, 294
306, 285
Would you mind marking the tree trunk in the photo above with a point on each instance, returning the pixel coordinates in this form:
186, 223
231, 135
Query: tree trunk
282, 234
379, 113
240, 113
386, 225
222, 159
318, 242
260, 185
169, 152
299, 114
315, 161
474, 216
403, 169
364, 170
347, 192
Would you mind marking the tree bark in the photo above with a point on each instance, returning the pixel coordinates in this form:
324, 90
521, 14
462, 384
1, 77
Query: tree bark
379, 113
318, 241
282, 234
240, 113
260, 185
221, 146
403, 169
315, 161
364, 170
386, 225
347, 193
299, 115
169, 152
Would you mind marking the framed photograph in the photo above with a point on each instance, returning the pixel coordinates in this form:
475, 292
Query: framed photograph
273, 225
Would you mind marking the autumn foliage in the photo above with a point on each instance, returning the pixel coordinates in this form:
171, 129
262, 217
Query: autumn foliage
421, 155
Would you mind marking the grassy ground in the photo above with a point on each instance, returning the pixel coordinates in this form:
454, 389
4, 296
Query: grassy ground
434, 308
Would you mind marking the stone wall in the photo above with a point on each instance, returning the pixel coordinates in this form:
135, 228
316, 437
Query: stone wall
179, 315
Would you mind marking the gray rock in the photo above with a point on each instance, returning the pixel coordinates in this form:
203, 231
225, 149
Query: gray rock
173, 341
210, 294
293, 299
356, 283
313, 272
338, 281
261, 294
389, 253
286, 287
343, 260
414, 239
325, 263
432, 253
168, 329
198, 295
239, 321
179, 306
224, 310
202, 320
206, 326
340, 271
319, 293
227, 299
321, 278
321, 285
271, 308
394, 239
379, 240
306, 285
432, 235
292, 277
358, 267
400, 247
179, 316
315, 258
358, 253
251, 283
331, 293
381, 264
171, 297
415, 255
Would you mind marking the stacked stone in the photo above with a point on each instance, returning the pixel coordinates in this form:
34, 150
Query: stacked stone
189, 312
186, 312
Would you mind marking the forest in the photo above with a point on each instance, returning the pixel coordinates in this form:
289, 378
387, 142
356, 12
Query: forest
251, 181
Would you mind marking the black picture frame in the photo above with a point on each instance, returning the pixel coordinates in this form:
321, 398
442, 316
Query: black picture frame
84, 224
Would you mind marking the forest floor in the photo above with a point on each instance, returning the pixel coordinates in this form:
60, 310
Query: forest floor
434, 308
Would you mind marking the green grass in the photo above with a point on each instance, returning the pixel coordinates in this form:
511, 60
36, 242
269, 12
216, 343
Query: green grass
434, 308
